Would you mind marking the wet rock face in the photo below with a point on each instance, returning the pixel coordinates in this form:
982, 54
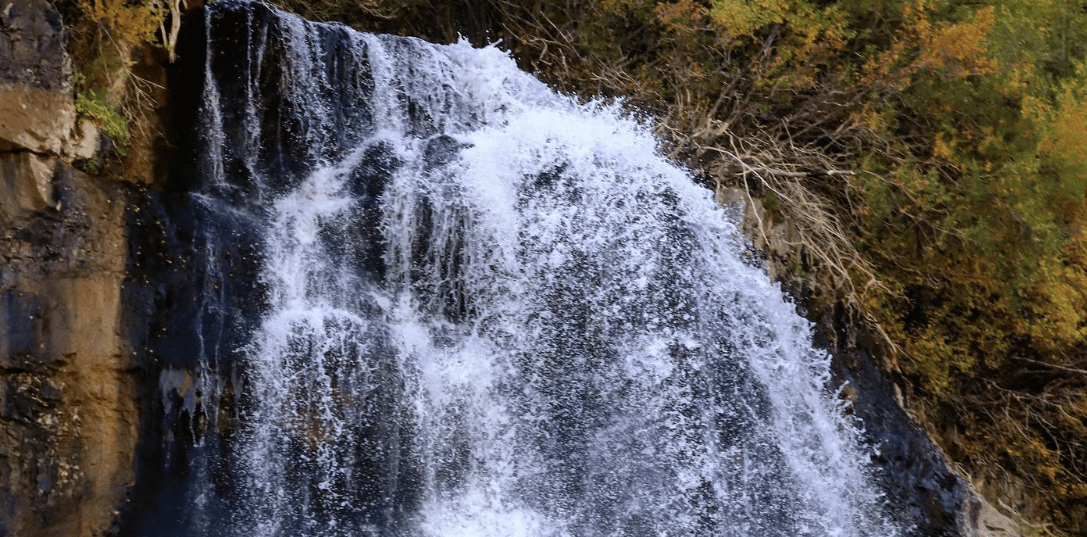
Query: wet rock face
204, 286
33, 46
920, 486
924, 493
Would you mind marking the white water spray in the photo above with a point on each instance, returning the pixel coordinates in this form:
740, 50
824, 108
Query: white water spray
504, 313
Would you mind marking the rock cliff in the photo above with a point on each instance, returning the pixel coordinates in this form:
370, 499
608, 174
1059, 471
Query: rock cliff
67, 390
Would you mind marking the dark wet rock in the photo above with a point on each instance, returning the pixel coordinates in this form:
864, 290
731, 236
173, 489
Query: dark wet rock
33, 45
441, 150
37, 112
923, 493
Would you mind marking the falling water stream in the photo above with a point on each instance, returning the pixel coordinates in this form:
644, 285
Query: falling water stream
491, 310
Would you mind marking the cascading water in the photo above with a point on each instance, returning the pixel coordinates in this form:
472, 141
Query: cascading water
486, 309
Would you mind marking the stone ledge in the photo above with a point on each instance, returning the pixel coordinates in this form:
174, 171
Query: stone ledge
35, 119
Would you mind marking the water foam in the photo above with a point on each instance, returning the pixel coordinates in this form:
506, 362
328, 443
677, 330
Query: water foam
557, 336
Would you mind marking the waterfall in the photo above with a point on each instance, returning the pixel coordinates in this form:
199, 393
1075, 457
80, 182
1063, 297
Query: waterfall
482, 308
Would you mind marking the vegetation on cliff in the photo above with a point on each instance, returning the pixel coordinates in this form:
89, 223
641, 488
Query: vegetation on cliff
108, 38
931, 153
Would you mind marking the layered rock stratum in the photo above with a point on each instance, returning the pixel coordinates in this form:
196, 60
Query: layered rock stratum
68, 411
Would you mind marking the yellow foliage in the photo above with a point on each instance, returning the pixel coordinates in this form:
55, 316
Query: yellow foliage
679, 16
1057, 307
126, 22
943, 147
960, 46
806, 36
742, 18
869, 118
1049, 471
958, 50
1076, 491
1067, 141
934, 358
105, 36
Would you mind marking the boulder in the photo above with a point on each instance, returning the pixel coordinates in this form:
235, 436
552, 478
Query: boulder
981, 519
26, 184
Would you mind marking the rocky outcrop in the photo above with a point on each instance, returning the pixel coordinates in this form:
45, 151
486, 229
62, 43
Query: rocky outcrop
37, 112
920, 482
68, 411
